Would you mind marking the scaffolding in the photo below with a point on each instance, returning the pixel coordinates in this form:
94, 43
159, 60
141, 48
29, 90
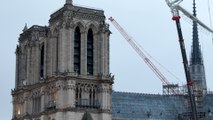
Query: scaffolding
174, 89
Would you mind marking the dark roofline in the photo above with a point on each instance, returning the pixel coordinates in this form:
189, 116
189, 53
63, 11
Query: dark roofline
28, 32
82, 9
145, 94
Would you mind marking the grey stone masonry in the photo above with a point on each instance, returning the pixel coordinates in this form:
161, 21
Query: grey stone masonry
62, 70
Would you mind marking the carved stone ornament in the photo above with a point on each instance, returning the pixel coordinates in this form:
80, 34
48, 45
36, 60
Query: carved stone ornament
59, 85
35, 35
104, 27
69, 85
19, 99
36, 93
85, 87
88, 17
55, 30
51, 88
43, 91
18, 50
68, 19
31, 43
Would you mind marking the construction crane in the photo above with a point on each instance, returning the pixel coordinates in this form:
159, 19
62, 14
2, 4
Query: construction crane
175, 8
136, 47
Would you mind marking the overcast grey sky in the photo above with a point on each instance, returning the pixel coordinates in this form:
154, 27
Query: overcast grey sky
149, 22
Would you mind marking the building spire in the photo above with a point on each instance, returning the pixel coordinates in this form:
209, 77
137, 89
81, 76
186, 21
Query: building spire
196, 57
68, 2
25, 27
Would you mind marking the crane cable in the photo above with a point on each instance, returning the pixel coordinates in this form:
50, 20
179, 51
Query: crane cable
162, 66
210, 17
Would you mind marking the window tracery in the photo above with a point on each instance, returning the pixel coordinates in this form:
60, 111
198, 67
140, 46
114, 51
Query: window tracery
90, 95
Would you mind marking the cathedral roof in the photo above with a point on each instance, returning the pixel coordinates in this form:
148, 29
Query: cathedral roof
136, 106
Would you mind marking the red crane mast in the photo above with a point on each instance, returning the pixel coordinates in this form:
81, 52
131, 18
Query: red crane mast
134, 45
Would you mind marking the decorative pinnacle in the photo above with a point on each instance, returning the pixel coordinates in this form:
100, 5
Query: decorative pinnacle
25, 27
69, 2
194, 8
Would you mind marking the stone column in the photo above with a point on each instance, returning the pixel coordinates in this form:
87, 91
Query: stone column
106, 51
59, 116
17, 68
54, 55
66, 43
96, 51
71, 93
36, 57
42, 99
44, 117
101, 52
60, 104
25, 108
106, 102
102, 98
71, 53
32, 64
83, 53
48, 57
61, 52
14, 107
28, 65
106, 116
105, 96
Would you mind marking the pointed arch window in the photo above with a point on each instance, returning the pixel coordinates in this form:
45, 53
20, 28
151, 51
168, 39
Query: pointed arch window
42, 62
90, 53
77, 50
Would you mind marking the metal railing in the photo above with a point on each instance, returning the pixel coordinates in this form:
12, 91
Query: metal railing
86, 103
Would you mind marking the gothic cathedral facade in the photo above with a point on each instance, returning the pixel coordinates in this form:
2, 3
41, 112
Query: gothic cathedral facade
62, 70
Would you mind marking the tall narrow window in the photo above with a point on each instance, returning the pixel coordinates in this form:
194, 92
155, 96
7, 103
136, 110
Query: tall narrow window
90, 52
77, 50
36, 104
93, 97
90, 98
42, 62
79, 101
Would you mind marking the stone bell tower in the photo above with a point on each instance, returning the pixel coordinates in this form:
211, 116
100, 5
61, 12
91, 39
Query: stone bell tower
62, 71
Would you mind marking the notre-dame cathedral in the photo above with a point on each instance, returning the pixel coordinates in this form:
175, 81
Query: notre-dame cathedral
62, 73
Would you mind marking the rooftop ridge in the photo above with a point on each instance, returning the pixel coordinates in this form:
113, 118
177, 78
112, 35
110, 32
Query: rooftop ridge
135, 93
88, 7
150, 94
81, 6
77, 8
34, 27
210, 93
